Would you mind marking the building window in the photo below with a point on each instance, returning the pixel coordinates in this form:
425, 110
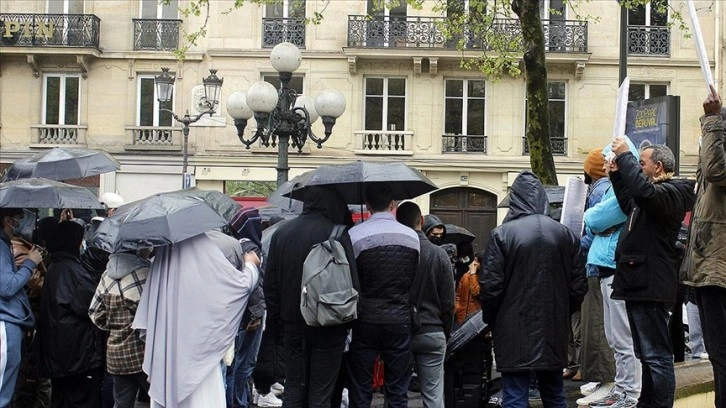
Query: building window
557, 98
639, 92
149, 113
284, 22
65, 6
296, 82
61, 96
154, 9
464, 121
648, 32
385, 104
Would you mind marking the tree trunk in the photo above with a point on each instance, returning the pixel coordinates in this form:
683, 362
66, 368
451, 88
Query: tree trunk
535, 68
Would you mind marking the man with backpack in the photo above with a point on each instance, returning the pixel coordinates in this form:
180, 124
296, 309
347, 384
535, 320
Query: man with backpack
387, 255
313, 354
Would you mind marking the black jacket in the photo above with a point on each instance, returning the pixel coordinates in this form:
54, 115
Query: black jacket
646, 257
70, 343
290, 245
533, 275
434, 277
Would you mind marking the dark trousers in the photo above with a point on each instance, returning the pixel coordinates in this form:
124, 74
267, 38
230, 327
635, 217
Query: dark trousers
651, 342
77, 391
712, 309
515, 389
393, 343
126, 388
312, 356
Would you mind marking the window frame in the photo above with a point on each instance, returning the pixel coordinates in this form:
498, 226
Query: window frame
647, 89
156, 113
465, 98
66, 6
385, 99
564, 136
62, 99
286, 9
160, 9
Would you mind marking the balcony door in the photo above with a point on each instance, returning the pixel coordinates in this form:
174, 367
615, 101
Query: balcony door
387, 27
553, 14
153, 34
648, 32
68, 27
284, 22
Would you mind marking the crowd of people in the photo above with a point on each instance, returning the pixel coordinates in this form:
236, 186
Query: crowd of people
181, 324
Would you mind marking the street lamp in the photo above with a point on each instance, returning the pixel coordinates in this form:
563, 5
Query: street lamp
281, 114
164, 94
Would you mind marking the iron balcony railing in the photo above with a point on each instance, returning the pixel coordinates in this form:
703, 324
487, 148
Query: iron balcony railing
49, 30
426, 32
559, 145
464, 144
156, 35
649, 40
277, 30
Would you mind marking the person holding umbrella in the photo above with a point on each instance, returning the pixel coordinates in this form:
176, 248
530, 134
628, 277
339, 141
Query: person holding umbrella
15, 314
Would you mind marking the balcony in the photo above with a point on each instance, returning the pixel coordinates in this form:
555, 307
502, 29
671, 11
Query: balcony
653, 41
278, 30
559, 146
50, 30
156, 35
425, 32
463, 144
59, 134
166, 138
384, 142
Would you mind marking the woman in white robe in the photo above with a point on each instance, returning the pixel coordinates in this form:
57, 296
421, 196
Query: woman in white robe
189, 313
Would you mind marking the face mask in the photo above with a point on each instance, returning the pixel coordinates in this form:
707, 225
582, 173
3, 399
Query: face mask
464, 259
435, 240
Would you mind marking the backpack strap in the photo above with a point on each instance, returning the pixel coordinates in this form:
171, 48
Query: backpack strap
337, 232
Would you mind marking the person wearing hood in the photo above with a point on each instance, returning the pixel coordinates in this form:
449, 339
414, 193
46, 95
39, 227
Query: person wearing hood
113, 309
434, 229
706, 259
646, 259
71, 346
15, 313
532, 278
311, 371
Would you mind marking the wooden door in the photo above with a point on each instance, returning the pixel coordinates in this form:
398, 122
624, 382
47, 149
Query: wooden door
471, 208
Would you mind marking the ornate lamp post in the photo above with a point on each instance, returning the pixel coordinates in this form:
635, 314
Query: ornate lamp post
165, 91
281, 114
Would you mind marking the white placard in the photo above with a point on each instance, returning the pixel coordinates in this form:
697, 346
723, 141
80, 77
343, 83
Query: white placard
700, 47
621, 113
573, 205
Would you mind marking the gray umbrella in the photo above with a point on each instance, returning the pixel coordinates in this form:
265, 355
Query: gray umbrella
158, 220
63, 164
351, 180
43, 193
471, 327
456, 235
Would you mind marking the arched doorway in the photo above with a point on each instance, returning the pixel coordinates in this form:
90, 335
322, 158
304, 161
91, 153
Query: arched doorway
471, 208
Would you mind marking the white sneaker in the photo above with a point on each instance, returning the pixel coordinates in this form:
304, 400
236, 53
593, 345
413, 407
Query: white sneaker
255, 395
277, 388
589, 388
269, 400
601, 392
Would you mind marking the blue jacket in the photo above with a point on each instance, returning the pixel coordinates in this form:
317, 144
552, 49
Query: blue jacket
604, 215
14, 304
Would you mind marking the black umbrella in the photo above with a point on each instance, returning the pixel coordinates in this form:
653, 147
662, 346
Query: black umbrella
220, 202
63, 164
351, 180
555, 195
158, 220
43, 193
471, 327
456, 235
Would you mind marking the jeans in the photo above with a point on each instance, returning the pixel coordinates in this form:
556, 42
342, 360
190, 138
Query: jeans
628, 371
515, 389
393, 343
126, 388
11, 338
245, 356
712, 306
312, 359
651, 342
695, 334
429, 350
